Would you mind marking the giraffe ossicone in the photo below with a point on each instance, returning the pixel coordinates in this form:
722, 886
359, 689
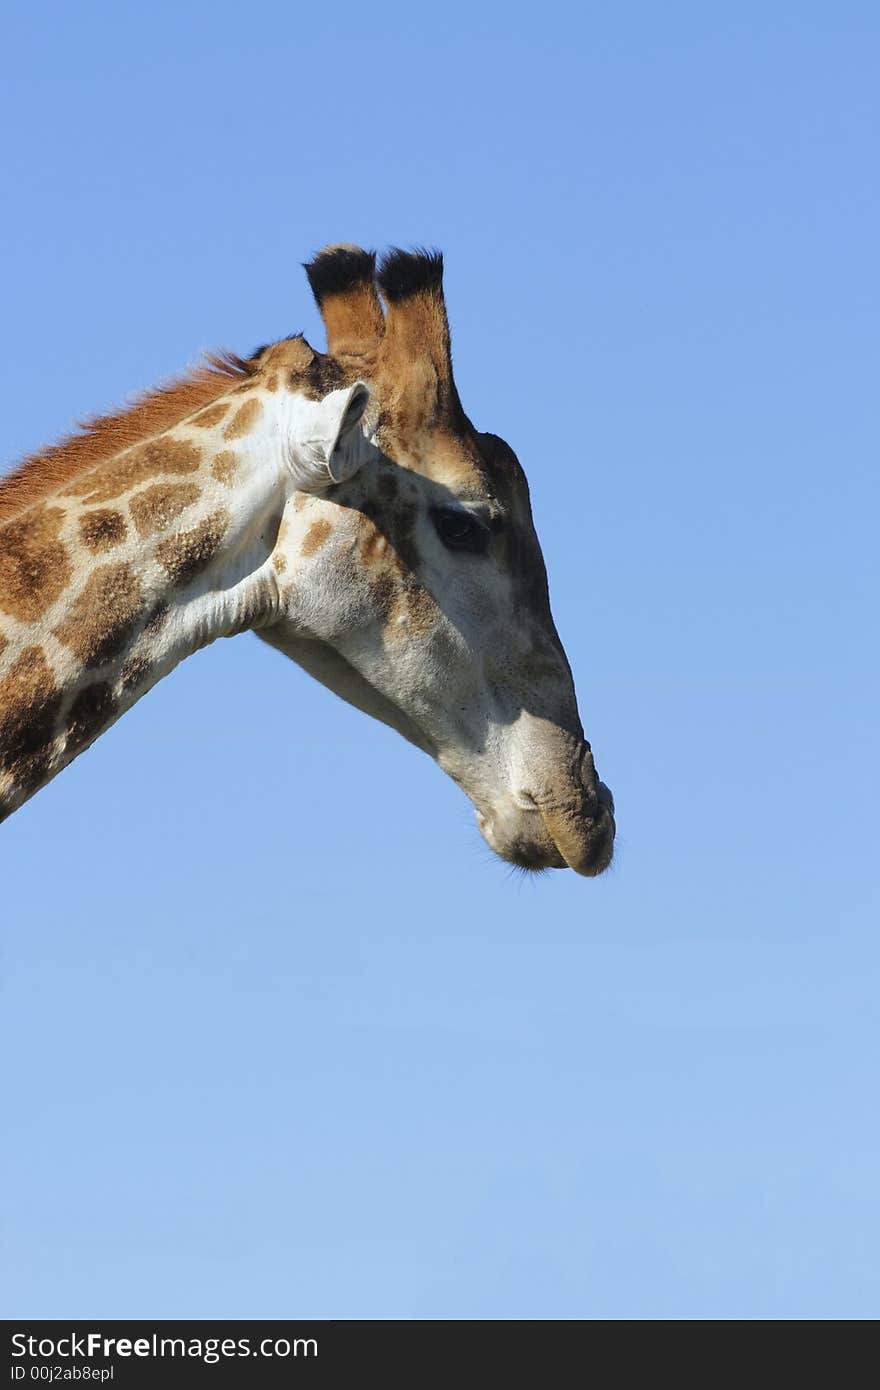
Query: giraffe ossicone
342, 506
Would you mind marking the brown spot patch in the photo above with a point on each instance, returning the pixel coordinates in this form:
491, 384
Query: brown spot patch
156, 619
244, 419
135, 672
271, 382
156, 507
315, 537
206, 419
29, 708
101, 531
89, 715
280, 567
149, 460
224, 465
413, 611
373, 546
383, 592
186, 555
401, 605
34, 568
104, 616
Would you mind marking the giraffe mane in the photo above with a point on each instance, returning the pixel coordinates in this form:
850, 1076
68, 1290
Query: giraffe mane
104, 436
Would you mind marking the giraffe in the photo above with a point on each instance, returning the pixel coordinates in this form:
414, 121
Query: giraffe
340, 505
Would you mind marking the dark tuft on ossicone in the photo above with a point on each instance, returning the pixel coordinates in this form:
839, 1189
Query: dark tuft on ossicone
405, 273
340, 269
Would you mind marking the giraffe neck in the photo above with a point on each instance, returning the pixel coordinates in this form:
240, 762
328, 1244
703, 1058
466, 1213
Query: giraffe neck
132, 565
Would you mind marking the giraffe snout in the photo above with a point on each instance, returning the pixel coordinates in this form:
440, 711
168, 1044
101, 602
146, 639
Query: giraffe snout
537, 838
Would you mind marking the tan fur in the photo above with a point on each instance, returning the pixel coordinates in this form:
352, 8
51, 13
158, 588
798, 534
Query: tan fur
27, 679
288, 355
102, 530
224, 466
315, 537
405, 354
354, 324
207, 419
34, 565
107, 625
156, 507
244, 419
186, 555
110, 480
303, 370
104, 615
373, 547
107, 435
29, 706
415, 367
413, 611
103, 649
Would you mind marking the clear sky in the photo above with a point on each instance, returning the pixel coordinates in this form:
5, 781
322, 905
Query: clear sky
281, 1038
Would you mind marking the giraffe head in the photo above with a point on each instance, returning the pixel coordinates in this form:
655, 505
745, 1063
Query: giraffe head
410, 576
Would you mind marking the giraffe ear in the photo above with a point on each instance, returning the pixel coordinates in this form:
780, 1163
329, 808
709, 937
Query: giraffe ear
329, 447
347, 452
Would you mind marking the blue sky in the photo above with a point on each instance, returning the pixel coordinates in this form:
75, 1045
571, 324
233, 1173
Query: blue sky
281, 1037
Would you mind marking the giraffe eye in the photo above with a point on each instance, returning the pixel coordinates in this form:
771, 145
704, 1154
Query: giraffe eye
460, 530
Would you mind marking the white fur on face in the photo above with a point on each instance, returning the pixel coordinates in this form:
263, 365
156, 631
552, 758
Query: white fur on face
430, 641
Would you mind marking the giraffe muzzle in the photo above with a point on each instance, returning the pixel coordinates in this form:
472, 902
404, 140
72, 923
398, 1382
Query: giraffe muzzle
585, 841
532, 836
